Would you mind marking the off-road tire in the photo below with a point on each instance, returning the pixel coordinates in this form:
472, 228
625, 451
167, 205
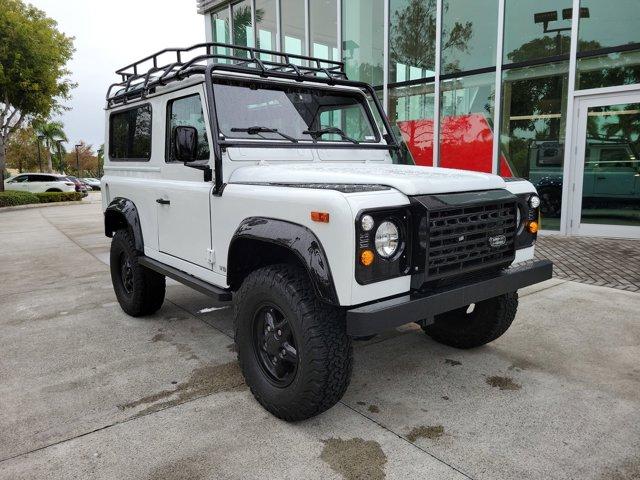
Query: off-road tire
488, 321
147, 288
325, 352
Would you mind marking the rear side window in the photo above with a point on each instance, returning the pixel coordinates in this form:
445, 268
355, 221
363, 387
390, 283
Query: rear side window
130, 134
41, 178
187, 111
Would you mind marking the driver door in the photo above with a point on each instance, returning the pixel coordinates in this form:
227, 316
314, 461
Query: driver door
183, 196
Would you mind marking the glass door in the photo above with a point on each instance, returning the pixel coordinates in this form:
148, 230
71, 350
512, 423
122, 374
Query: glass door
607, 185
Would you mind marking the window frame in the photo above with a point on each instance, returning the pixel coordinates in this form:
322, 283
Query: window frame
167, 127
126, 110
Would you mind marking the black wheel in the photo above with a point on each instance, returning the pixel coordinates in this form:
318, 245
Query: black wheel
139, 291
475, 325
293, 349
51, 190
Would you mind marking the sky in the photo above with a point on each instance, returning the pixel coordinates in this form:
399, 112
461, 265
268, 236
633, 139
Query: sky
110, 34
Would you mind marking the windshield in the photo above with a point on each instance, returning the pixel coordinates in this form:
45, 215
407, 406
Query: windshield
292, 113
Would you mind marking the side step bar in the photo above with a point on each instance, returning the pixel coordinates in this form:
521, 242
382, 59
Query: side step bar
201, 286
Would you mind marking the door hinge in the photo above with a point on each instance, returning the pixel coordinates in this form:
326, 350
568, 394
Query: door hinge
211, 256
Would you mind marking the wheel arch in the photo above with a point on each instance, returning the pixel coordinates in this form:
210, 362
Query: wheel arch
123, 213
260, 241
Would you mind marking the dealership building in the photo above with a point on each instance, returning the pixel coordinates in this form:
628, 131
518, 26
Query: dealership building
546, 90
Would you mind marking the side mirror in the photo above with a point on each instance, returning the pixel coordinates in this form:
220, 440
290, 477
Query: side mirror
185, 141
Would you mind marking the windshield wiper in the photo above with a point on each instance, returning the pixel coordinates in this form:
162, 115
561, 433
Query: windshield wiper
324, 131
257, 130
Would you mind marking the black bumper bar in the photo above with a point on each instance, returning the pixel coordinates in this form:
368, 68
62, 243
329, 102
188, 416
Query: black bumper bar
387, 314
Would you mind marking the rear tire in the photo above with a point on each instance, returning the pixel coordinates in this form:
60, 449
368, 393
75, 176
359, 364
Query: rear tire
489, 320
139, 291
52, 190
293, 349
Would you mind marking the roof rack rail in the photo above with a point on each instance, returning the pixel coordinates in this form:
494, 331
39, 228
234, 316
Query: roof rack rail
173, 64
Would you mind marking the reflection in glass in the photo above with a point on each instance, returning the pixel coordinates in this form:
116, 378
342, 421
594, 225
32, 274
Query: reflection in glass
535, 29
324, 29
242, 27
412, 34
608, 24
412, 110
534, 102
611, 182
619, 68
363, 39
466, 126
266, 25
469, 34
221, 30
293, 36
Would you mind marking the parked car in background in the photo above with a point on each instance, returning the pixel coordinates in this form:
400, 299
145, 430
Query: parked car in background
79, 186
40, 182
94, 183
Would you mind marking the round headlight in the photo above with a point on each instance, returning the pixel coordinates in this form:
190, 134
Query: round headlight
534, 201
387, 239
367, 223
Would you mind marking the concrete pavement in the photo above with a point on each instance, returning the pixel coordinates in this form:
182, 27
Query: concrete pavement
88, 392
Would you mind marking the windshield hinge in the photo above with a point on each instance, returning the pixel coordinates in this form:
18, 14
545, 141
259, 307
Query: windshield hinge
211, 256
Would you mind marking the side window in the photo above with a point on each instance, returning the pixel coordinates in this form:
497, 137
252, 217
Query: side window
37, 178
186, 111
20, 179
130, 134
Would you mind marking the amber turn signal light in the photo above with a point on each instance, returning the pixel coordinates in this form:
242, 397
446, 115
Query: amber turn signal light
366, 257
322, 217
532, 227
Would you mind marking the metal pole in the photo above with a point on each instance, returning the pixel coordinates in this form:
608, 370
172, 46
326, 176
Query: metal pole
39, 155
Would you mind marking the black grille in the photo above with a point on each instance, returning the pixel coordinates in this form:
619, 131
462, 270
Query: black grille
470, 237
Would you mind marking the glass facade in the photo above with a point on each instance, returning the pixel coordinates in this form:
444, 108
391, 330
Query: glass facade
363, 40
323, 27
494, 93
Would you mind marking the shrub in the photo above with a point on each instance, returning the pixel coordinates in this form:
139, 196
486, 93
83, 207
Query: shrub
12, 199
50, 197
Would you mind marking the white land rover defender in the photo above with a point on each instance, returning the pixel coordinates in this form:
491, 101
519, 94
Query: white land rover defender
272, 180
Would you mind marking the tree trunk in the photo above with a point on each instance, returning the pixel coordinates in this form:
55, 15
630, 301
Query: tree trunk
3, 153
49, 162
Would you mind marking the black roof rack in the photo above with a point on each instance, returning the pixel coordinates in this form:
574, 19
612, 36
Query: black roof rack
173, 64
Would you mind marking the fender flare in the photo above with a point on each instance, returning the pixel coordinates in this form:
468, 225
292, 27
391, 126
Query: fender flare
299, 240
123, 213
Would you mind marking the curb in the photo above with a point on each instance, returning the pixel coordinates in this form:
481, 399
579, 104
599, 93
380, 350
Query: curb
42, 205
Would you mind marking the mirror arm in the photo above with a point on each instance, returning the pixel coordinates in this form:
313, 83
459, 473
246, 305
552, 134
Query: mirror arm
208, 171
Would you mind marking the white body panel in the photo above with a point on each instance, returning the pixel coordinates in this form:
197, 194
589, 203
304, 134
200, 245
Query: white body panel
194, 232
410, 180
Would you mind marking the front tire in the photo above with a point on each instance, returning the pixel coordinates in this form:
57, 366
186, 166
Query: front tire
139, 291
488, 320
293, 349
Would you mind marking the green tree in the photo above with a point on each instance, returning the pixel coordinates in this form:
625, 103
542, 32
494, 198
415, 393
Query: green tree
22, 150
413, 32
33, 77
50, 133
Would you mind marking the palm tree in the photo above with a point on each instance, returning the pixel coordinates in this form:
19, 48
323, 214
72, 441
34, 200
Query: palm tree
50, 133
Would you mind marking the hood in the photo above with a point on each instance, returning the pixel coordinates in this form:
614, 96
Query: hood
408, 179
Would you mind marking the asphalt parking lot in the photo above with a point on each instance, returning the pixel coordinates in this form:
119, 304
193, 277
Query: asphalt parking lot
88, 392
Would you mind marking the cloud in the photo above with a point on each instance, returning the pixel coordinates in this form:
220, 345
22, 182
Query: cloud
110, 34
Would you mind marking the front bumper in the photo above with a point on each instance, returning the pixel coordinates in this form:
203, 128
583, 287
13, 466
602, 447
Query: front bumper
387, 314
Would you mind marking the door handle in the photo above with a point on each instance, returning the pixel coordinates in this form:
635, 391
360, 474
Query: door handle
162, 201
600, 177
